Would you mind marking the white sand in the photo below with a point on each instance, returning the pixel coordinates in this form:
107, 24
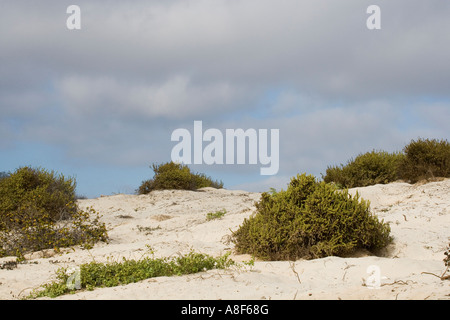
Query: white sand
419, 216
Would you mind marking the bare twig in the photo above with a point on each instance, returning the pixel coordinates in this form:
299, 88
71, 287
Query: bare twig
292, 264
442, 276
398, 282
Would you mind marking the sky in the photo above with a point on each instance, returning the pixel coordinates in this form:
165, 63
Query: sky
100, 103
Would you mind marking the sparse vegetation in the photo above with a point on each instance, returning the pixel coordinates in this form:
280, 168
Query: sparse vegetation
172, 175
310, 219
147, 230
215, 215
38, 211
94, 275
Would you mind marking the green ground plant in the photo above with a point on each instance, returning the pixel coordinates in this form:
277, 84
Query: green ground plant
115, 273
172, 175
38, 211
309, 220
215, 215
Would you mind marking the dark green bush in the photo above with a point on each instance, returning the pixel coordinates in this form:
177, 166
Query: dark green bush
376, 167
38, 211
310, 220
176, 176
38, 188
425, 159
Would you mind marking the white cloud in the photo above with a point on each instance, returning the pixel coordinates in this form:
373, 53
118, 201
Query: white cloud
176, 98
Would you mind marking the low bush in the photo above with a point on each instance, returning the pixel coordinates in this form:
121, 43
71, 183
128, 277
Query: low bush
376, 167
93, 275
310, 220
425, 159
38, 211
176, 176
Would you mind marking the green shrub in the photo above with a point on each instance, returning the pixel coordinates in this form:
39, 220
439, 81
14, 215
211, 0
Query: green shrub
376, 167
37, 188
310, 220
425, 159
38, 211
176, 176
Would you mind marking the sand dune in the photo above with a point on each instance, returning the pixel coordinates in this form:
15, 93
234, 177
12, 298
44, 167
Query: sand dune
174, 222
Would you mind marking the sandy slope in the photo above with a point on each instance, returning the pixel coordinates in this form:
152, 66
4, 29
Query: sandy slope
173, 222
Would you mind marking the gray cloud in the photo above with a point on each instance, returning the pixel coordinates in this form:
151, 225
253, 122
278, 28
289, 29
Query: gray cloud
114, 90
176, 98
322, 47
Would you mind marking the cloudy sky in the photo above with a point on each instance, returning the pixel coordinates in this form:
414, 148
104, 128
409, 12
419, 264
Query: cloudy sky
100, 103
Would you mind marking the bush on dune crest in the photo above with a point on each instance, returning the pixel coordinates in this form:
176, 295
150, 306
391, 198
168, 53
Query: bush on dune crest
425, 159
38, 211
172, 175
366, 169
422, 159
